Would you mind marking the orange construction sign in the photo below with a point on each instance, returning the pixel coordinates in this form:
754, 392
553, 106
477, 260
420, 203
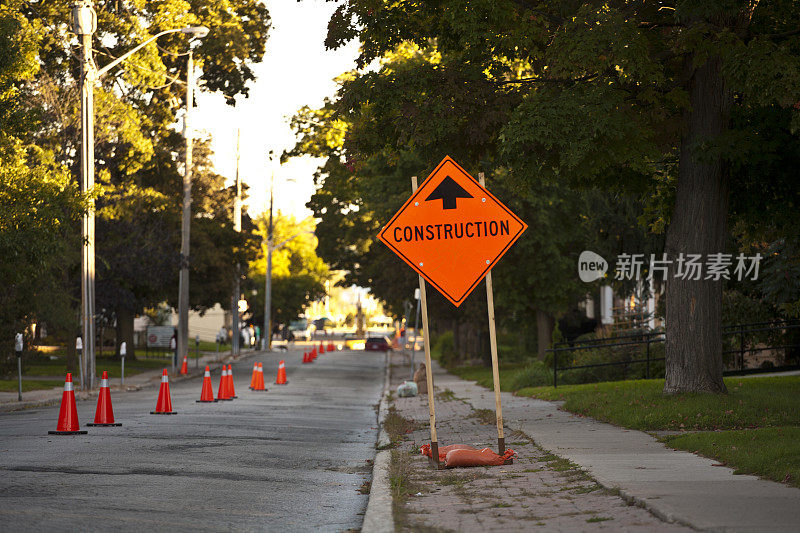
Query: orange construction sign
452, 231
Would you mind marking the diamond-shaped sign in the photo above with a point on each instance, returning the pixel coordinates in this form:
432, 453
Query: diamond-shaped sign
452, 231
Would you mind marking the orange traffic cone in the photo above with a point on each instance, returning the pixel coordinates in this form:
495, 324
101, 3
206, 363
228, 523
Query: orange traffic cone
254, 376
231, 388
104, 416
321, 348
207, 392
164, 403
68, 415
222, 391
305, 358
331, 347
184, 367
281, 379
260, 378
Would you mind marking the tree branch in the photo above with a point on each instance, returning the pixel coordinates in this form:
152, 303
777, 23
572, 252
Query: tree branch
783, 35
549, 16
654, 25
536, 79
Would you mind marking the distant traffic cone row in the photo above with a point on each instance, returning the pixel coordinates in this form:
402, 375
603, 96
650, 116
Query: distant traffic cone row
164, 403
68, 414
331, 347
207, 392
281, 379
321, 348
231, 388
104, 416
184, 366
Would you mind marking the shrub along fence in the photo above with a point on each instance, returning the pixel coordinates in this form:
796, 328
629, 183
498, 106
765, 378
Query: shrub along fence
762, 346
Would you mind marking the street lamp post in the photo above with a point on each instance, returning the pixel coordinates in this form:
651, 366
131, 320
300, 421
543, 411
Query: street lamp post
186, 217
85, 24
84, 21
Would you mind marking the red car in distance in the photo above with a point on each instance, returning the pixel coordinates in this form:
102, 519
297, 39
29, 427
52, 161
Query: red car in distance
377, 344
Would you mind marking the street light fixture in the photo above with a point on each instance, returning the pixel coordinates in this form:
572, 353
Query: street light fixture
196, 31
84, 23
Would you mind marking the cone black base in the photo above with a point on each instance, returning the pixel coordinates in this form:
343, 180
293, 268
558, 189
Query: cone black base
224, 400
104, 425
163, 413
81, 432
287, 382
205, 401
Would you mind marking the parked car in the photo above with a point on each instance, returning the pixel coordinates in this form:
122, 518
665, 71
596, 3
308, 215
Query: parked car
353, 342
300, 330
377, 344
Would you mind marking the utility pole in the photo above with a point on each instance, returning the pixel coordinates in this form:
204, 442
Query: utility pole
186, 219
237, 226
85, 23
268, 281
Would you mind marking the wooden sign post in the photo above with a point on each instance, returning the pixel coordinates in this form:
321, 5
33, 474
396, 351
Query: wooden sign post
501, 441
428, 370
453, 231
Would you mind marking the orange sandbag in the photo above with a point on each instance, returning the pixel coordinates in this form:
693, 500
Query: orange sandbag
425, 449
484, 457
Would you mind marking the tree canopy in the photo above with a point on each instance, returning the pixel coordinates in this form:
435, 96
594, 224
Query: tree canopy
579, 109
139, 153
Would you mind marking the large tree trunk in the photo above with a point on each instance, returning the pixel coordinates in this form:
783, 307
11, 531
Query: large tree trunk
544, 332
698, 226
125, 332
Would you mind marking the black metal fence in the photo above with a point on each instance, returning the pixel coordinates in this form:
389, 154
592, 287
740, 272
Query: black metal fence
743, 339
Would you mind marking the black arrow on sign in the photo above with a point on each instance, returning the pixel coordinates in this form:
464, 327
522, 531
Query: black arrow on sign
448, 191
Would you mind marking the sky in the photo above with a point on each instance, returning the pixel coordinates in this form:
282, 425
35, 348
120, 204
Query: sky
296, 71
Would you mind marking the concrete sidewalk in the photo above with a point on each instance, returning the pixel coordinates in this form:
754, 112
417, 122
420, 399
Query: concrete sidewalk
44, 397
674, 485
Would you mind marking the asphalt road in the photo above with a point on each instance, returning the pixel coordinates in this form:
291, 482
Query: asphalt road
289, 459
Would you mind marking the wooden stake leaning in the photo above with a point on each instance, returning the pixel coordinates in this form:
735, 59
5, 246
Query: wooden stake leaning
428, 370
501, 441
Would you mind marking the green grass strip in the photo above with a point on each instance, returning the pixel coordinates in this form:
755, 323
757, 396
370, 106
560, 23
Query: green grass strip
772, 453
750, 403
10, 385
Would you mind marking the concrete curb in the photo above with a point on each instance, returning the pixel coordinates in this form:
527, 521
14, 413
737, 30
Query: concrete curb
378, 517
